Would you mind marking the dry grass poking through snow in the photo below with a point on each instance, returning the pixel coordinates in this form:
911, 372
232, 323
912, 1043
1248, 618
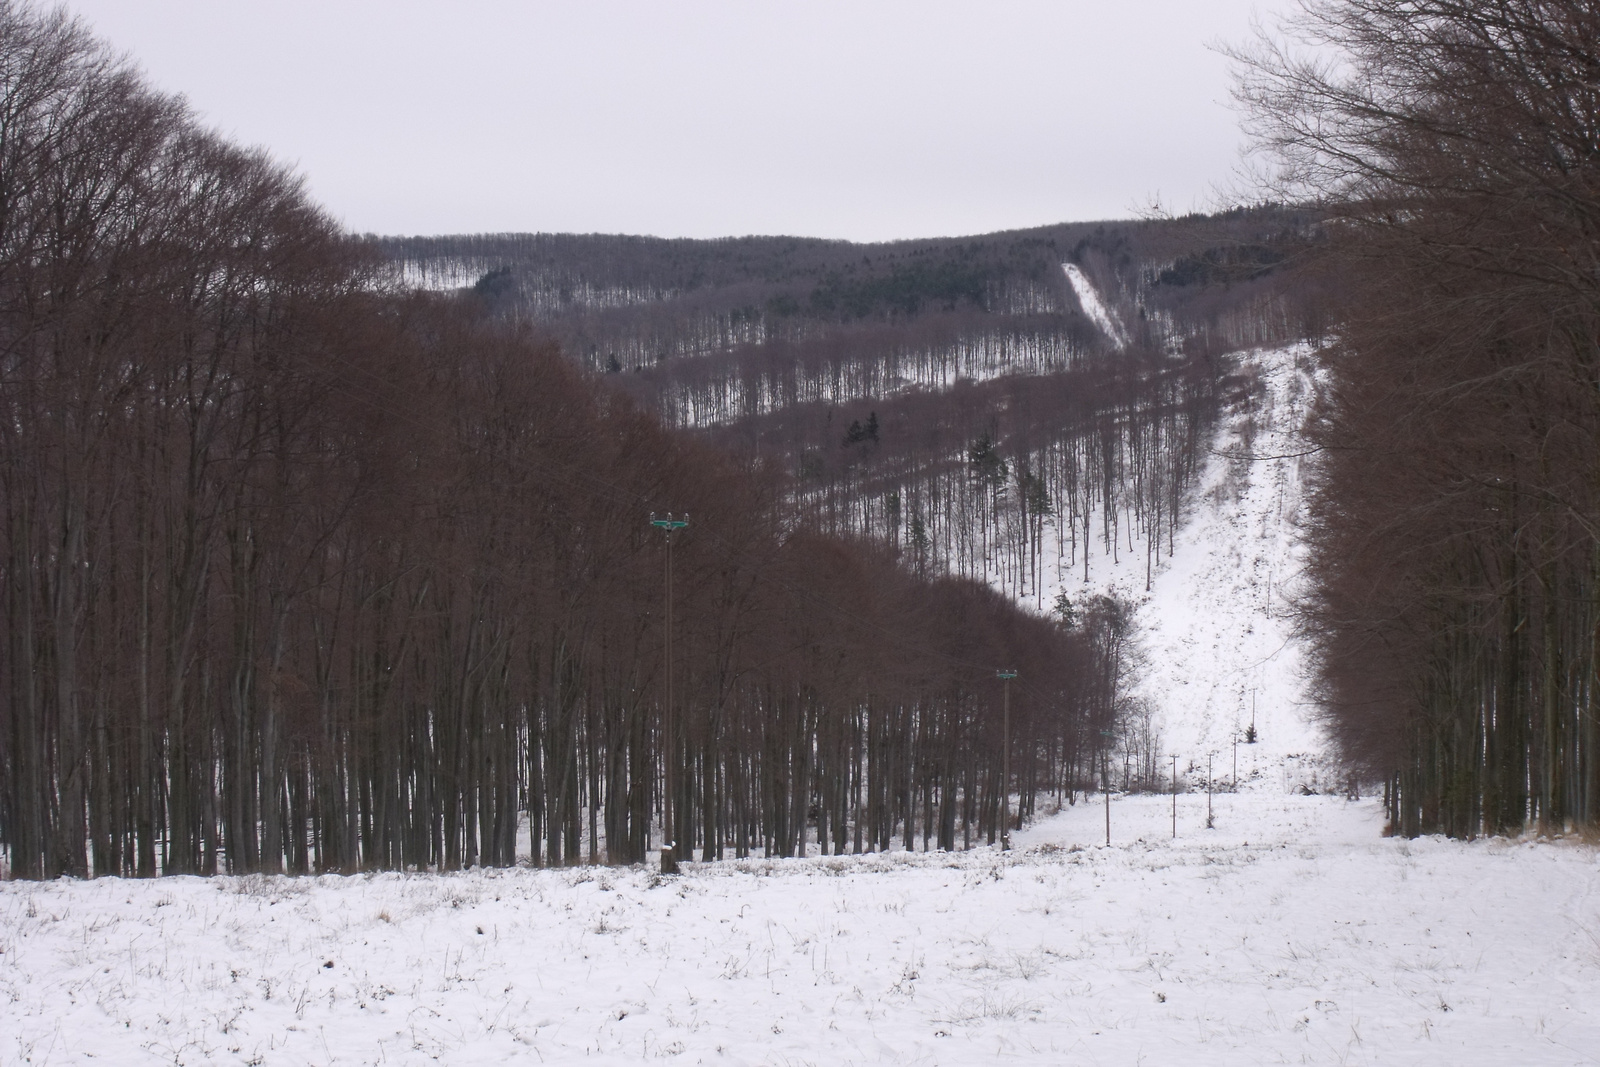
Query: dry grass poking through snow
1292, 933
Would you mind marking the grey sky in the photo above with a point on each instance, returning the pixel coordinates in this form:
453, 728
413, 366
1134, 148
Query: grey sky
864, 119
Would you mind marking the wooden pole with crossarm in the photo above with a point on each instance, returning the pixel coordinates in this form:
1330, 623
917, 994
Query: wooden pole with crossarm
669, 751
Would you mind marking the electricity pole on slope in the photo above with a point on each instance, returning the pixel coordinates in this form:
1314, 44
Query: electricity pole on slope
669, 857
1210, 823
1105, 781
1174, 798
1005, 760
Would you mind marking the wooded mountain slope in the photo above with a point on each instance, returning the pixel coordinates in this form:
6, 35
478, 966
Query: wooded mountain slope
947, 398
299, 572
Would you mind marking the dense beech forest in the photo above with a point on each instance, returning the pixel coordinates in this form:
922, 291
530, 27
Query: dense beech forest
302, 571
1454, 595
325, 552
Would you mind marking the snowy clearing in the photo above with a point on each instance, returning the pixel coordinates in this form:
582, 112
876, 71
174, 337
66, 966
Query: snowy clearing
1214, 623
1216, 626
1291, 933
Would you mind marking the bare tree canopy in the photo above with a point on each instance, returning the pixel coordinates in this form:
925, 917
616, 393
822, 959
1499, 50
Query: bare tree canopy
1455, 567
298, 573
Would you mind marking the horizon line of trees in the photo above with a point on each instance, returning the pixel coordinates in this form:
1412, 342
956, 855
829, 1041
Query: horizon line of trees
705, 326
301, 574
770, 347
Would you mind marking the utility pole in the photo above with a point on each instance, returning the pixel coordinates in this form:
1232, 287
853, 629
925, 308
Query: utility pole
669, 857
1105, 787
1235, 763
1174, 798
1005, 759
1105, 781
1210, 824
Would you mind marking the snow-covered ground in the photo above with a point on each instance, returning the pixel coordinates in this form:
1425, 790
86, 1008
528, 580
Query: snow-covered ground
1291, 933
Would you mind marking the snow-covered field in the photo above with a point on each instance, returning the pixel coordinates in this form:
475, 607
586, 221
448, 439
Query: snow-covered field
1291, 933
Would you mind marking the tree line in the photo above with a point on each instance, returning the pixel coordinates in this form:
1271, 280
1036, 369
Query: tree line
1454, 596
651, 306
303, 572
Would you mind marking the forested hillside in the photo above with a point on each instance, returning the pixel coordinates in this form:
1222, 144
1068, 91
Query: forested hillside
480, 648
1008, 407
301, 571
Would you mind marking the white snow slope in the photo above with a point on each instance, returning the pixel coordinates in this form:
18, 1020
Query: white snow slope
1218, 638
1093, 306
1214, 624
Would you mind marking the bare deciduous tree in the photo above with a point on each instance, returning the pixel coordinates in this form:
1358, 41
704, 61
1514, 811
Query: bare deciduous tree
1456, 595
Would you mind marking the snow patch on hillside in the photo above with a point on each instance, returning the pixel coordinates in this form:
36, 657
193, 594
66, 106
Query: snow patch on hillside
1218, 632
1093, 306
1214, 621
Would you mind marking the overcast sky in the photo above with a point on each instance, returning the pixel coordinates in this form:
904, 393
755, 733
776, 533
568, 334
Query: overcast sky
702, 118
